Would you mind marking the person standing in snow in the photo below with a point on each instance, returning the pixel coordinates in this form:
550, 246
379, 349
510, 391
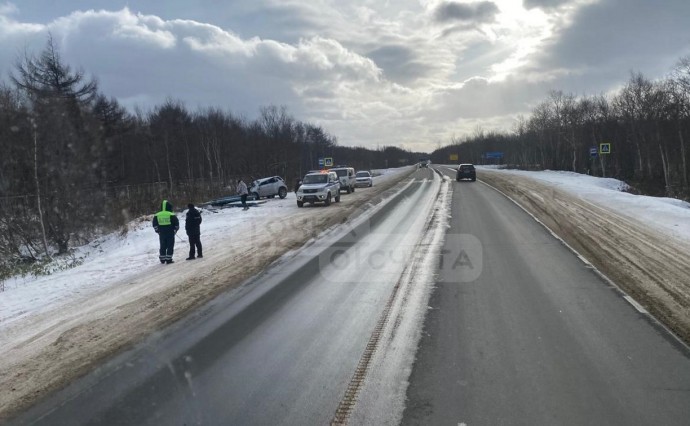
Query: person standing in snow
242, 191
166, 225
192, 226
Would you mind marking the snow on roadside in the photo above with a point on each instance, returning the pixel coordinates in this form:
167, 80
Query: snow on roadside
667, 215
114, 257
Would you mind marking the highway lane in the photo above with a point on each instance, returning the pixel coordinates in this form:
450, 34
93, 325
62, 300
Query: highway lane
280, 351
538, 338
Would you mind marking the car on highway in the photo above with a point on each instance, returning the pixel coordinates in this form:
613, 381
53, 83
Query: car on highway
466, 171
268, 187
364, 179
319, 187
346, 176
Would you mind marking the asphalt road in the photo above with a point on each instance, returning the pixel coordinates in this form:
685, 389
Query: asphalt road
282, 350
537, 338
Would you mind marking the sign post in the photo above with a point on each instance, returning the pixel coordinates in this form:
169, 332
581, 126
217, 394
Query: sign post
493, 155
328, 162
604, 149
320, 163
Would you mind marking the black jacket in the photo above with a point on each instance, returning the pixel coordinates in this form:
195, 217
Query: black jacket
193, 222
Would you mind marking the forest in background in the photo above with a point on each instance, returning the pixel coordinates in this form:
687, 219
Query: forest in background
646, 122
76, 163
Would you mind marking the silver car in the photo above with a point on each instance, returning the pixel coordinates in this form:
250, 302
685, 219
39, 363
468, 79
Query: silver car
268, 187
364, 178
319, 187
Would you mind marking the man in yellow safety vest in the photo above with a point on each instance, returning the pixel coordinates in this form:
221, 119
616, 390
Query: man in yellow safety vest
166, 225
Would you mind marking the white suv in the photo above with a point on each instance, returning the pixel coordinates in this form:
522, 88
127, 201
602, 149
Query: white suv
347, 178
268, 187
319, 187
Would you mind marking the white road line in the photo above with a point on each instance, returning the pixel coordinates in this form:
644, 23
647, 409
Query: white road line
636, 305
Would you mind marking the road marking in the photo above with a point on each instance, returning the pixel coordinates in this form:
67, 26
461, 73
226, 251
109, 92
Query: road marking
636, 305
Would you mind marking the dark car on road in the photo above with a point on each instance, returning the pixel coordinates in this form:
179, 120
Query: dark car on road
466, 171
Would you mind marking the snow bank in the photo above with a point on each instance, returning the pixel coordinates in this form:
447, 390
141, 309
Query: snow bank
667, 215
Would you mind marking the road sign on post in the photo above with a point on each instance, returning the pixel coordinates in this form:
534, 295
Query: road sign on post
604, 148
328, 161
321, 163
453, 157
593, 151
494, 154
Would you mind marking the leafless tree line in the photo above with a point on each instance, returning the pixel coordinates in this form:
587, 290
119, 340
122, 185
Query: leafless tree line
646, 122
75, 163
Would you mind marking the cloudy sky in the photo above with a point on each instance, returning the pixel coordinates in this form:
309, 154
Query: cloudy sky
411, 73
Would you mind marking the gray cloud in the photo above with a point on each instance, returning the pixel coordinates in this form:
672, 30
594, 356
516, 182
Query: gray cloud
370, 72
479, 99
544, 4
480, 12
399, 63
595, 52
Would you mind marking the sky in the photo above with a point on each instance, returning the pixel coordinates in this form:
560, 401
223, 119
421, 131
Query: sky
408, 73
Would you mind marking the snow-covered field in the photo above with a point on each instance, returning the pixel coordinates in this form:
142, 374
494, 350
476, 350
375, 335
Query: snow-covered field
115, 258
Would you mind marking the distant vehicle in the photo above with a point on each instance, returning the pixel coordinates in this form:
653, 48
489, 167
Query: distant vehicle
346, 175
424, 162
466, 171
268, 187
319, 187
364, 178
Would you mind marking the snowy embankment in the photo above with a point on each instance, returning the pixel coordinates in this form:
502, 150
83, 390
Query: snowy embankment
55, 328
641, 243
668, 215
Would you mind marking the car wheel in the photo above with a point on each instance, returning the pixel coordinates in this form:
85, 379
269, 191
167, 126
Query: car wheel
282, 192
328, 199
353, 189
255, 195
337, 197
300, 204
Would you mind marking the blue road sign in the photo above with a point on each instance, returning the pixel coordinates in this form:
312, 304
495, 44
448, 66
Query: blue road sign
493, 154
320, 162
593, 151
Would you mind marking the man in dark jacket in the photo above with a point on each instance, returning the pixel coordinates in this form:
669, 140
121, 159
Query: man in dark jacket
191, 226
166, 225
